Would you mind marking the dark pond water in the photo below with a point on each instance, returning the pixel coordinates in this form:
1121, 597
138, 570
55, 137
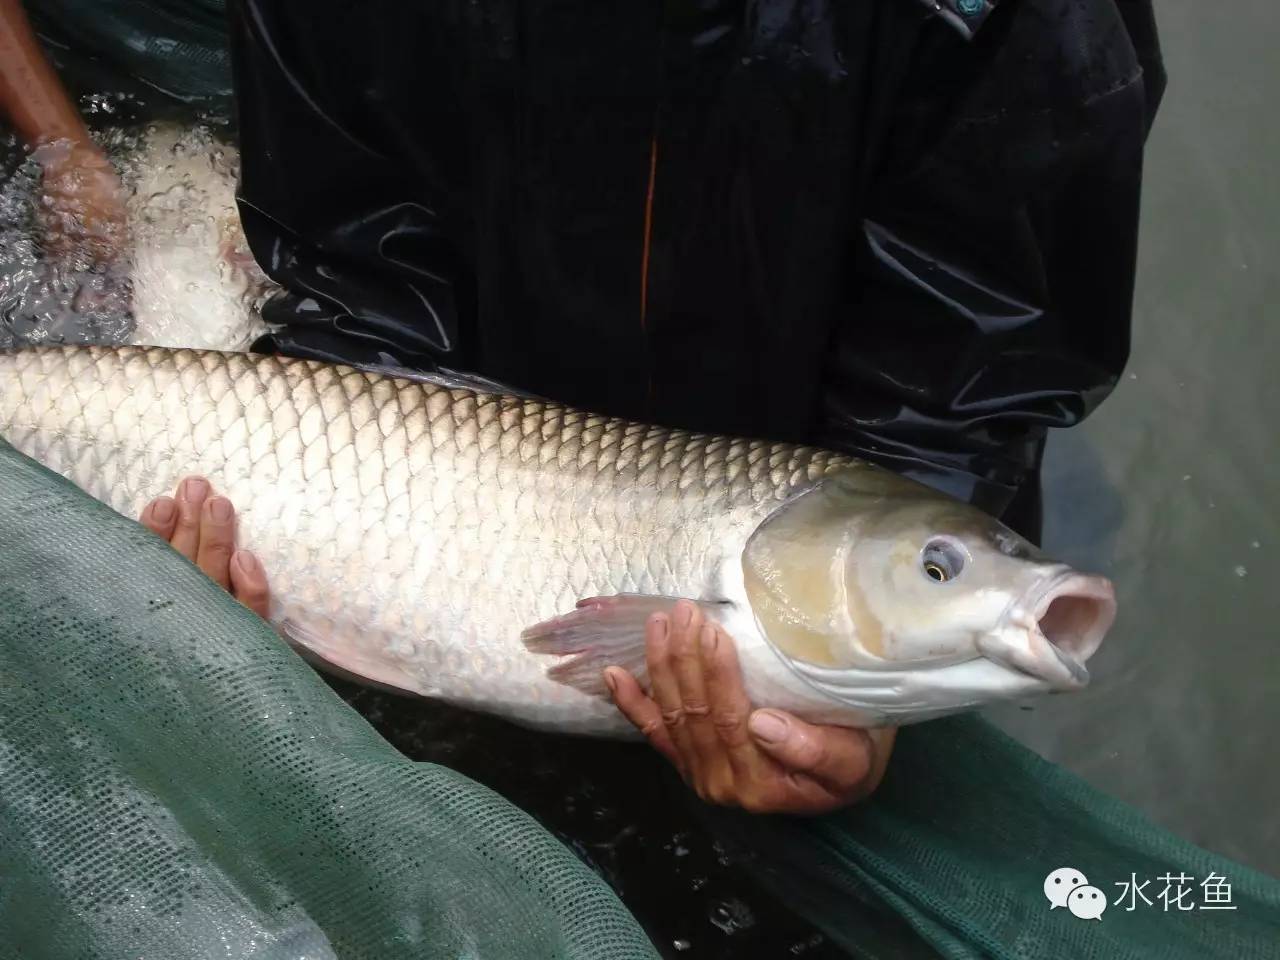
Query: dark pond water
1173, 488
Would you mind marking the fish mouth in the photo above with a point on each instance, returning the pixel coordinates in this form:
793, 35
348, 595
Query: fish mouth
1075, 613
1067, 624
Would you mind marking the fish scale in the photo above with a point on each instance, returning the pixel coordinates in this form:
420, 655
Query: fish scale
412, 530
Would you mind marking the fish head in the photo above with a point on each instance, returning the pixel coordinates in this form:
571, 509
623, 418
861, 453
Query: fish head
870, 582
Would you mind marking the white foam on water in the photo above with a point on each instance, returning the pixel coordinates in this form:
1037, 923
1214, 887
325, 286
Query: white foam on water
194, 282
186, 279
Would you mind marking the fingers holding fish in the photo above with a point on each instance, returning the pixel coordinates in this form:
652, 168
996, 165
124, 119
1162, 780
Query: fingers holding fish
664, 685
827, 767
690, 631
160, 516
190, 498
882, 740
675, 715
642, 712
730, 711
696, 711
217, 540
698, 715
202, 527
249, 583
732, 771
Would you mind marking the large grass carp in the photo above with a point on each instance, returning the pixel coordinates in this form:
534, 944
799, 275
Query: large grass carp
498, 552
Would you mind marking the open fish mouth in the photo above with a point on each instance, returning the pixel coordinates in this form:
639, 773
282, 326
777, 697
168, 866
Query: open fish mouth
1067, 625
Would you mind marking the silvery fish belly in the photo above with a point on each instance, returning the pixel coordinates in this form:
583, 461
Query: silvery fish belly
499, 552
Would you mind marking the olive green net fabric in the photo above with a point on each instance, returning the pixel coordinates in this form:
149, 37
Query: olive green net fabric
959, 841
175, 782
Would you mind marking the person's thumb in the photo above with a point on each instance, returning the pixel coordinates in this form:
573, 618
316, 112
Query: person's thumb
839, 758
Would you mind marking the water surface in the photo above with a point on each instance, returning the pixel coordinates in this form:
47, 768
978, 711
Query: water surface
1173, 486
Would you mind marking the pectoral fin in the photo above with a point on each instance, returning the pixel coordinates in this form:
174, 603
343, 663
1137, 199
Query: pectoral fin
602, 632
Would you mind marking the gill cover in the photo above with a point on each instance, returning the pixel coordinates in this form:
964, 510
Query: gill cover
797, 572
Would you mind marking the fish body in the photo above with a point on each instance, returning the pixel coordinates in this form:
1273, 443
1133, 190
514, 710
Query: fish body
441, 540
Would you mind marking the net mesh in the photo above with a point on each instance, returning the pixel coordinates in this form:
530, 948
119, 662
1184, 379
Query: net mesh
175, 782
959, 841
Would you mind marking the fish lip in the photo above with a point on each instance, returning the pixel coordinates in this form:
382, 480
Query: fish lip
1062, 643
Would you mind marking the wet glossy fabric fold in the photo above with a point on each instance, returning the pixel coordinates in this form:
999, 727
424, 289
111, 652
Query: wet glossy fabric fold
850, 224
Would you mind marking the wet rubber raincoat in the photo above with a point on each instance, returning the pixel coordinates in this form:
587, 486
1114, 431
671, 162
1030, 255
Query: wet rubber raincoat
900, 228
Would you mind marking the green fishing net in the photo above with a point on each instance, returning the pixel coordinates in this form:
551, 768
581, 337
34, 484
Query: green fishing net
960, 839
174, 782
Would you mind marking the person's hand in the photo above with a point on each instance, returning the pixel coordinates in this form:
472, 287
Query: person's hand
202, 527
82, 203
698, 716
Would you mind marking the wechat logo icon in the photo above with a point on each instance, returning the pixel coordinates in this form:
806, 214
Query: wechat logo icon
1068, 887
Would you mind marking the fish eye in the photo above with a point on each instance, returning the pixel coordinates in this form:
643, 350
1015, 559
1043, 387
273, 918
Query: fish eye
942, 560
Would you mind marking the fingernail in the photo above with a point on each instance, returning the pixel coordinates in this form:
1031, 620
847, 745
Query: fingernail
247, 561
685, 614
709, 639
193, 488
220, 509
766, 726
611, 682
162, 510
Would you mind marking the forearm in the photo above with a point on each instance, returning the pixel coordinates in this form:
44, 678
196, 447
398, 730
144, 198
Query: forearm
32, 98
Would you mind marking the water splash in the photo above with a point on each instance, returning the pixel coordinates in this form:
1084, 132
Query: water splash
184, 276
